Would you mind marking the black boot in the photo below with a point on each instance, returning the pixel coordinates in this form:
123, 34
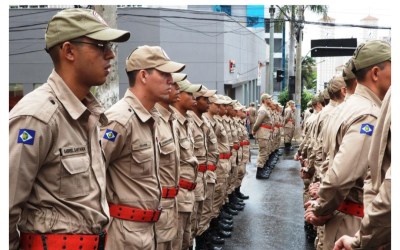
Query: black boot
240, 194
225, 215
200, 243
225, 227
211, 234
236, 200
261, 174
229, 210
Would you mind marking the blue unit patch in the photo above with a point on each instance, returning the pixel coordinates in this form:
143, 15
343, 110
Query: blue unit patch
26, 136
110, 135
367, 129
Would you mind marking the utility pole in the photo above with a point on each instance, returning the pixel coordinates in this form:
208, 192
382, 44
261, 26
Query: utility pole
108, 93
297, 95
290, 80
270, 90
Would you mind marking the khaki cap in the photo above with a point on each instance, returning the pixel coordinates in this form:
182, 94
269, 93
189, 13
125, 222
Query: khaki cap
152, 57
177, 77
371, 53
228, 100
335, 84
204, 91
237, 106
348, 70
188, 87
214, 99
69, 24
291, 102
265, 96
222, 99
309, 104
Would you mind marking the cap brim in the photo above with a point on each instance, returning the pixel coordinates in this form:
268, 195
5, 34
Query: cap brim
112, 35
192, 88
177, 77
171, 67
210, 93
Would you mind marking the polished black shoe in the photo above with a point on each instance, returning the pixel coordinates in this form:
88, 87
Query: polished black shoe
240, 194
225, 215
231, 211
224, 234
261, 174
236, 206
225, 227
210, 246
226, 221
215, 239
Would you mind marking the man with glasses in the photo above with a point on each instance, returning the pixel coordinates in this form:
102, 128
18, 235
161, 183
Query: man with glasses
130, 144
57, 196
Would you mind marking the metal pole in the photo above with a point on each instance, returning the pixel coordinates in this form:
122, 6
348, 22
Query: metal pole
297, 96
284, 58
271, 50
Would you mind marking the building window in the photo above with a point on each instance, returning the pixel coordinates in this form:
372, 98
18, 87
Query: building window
223, 8
15, 93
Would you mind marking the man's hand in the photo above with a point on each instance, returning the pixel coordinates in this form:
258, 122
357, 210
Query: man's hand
304, 173
311, 218
344, 243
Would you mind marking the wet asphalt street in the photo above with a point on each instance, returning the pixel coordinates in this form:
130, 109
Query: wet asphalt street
273, 216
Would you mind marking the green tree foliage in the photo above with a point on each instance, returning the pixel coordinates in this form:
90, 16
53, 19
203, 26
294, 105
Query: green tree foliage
308, 73
306, 96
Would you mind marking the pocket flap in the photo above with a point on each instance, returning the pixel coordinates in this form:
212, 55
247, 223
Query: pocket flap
167, 146
142, 152
76, 164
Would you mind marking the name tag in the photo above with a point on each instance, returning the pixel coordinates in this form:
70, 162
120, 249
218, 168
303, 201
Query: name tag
142, 145
165, 142
73, 150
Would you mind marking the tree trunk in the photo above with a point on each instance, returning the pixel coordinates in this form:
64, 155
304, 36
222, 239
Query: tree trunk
108, 93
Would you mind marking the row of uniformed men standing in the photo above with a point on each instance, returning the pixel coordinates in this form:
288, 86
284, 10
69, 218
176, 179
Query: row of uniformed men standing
268, 127
165, 167
345, 155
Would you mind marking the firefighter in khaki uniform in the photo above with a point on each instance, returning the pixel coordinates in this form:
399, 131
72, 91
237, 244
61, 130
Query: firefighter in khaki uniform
166, 226
205, 214
244, 143
289, 124
252, 118
341, 190
263, 129
375, 230
129, 141
188, 162
221, 211
57, 171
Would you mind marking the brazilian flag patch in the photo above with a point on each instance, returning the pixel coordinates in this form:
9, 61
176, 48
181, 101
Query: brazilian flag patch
367, 129
26, 136
110, 135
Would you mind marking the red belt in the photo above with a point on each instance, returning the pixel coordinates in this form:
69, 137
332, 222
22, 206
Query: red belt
225, 156
33, 241
170, 192
211, 167
202, 168
236, 146
352, 208
187, 184
244, 143
134, 214
266, 126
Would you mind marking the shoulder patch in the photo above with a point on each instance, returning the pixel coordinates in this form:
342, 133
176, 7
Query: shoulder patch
367, 129
26, 136
110, 135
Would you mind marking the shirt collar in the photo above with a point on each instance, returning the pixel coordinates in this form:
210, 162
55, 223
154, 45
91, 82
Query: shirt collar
367, 93
137, 106
195, 118
75, 107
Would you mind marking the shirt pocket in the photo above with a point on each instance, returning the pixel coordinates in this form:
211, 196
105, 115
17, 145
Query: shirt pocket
199, 142
142, 160
167, 149
75, 175
185, 149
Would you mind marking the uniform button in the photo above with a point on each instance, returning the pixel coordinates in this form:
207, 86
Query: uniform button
52, 102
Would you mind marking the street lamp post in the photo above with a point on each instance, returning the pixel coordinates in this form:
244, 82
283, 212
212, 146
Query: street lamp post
271, 50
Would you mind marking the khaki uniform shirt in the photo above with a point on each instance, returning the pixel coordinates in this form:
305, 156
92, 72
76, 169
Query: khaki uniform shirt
252, 115
264, 117
223, 146
212, 147
56, 170
376, 225
345, 179
169, 174
289, 118
131, 150
188, 161
227, 126
200, 130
